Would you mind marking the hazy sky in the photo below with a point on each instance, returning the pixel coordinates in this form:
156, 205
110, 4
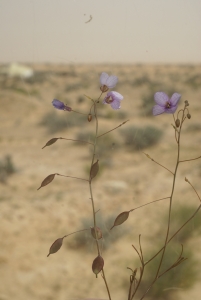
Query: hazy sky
134, 31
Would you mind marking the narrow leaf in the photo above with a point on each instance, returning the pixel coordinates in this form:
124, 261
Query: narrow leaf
94, 170
47, 180
97, 265
98, 233
55, 246
121, 218
50, 142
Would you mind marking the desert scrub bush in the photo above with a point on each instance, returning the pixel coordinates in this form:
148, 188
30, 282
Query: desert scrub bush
172, 281
179, 216
109, 115
165, 288
194, 81
54, 122
193, 127
138, 138
7, 168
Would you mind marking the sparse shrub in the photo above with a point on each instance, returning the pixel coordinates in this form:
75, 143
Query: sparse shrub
138, 138
6, 168
193, 127
170, 282
194, 81
55, 122
166, 287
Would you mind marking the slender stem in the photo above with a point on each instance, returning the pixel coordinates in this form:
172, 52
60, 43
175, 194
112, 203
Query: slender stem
170, 207
72, 177
190, 159
113, 128
75, 140
91, 192
158, 163
75, 232
149, 203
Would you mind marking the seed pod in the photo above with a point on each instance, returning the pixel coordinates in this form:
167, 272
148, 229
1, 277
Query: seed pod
50, 142
188, 116
89, 117
177, 122
94, 170
55, 246
121, 218
47, 180
98, 233
97, 265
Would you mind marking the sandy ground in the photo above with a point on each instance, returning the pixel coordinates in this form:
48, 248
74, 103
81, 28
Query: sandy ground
31, 220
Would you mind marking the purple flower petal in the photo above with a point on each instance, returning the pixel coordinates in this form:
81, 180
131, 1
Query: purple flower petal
109, 81
113, 98
58, 104
171, 110
158, 110
175, 99
116, 104
161, 98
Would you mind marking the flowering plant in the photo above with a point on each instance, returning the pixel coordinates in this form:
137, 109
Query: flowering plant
164, 104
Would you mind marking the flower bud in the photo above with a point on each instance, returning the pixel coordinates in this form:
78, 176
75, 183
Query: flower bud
89, 117
177, 122
98, 233
55, 246
94, 170
121, 218
50, 142
97, 265
186, 103
47, 180
188, 116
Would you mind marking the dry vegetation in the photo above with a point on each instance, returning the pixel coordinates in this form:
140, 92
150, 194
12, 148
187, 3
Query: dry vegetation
31, 220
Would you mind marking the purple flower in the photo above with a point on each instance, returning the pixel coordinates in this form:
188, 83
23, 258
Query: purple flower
164, 104
107, 82
113, 98
60, 105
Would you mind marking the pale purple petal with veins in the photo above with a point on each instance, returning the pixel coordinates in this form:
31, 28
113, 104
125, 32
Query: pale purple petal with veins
161, 98
164, 104
109, 81
175, 99
158, 110
113, 98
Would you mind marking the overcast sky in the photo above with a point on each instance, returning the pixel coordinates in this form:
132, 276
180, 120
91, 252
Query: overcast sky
146, 31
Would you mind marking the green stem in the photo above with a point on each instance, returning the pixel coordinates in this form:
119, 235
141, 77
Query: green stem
170, 206
91, 192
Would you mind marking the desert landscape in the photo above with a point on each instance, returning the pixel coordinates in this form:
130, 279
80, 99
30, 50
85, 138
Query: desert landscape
31, 219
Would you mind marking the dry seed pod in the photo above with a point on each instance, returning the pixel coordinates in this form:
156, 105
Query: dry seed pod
47, 180
94, 170
188, 116
98, 233
50, 142
55, 246
121, 218
89, 117
177, 122
97, 265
